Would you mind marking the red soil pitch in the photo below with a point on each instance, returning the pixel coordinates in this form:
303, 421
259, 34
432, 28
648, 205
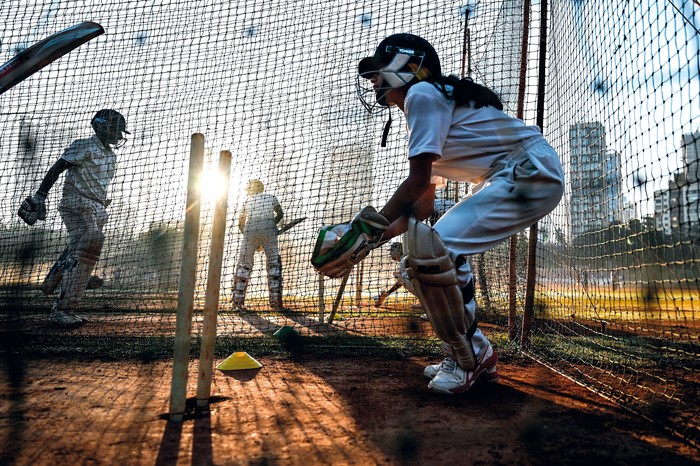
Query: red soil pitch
314, 410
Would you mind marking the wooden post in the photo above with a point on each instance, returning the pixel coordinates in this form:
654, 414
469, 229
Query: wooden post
512, 287
211, 296
529, 311
188, 273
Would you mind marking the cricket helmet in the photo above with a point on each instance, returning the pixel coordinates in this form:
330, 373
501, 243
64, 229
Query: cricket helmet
401, 59
255, 187
109, 125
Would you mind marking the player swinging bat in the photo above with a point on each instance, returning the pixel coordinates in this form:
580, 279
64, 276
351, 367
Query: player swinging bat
90, 165
46, 51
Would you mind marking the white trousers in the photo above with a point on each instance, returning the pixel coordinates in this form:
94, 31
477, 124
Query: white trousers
84, 220
255, 236
517, 192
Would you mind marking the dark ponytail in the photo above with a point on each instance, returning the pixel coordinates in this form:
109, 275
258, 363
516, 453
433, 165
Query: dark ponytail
467, 92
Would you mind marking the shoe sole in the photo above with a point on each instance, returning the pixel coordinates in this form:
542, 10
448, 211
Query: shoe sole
488, 377
485, 377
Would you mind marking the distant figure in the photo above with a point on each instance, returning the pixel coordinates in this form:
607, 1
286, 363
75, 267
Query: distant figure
90, 165
396, 253
440, 206
258, 222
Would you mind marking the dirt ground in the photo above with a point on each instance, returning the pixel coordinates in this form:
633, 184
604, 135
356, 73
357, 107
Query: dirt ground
314, 410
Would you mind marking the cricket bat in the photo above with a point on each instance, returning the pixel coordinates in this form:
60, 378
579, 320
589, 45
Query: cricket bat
289, 225
46, 51
341, 289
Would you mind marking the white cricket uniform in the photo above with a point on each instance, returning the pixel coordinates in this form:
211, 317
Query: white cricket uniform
82, 208
260, 227
260, 231
518, 175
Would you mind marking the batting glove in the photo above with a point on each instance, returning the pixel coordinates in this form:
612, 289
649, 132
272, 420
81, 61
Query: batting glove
33, 208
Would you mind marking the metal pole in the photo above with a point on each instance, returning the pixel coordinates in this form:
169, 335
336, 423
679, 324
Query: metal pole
522, 85
528, 314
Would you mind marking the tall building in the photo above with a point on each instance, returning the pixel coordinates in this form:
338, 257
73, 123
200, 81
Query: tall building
596, 195
690, 190
691, 152
677, 208
666, 211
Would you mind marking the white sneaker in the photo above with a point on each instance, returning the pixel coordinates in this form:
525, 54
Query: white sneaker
432, 370
65, 318
489, 375
451, 379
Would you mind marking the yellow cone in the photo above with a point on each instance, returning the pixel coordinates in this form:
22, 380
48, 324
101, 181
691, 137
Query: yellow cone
238, 361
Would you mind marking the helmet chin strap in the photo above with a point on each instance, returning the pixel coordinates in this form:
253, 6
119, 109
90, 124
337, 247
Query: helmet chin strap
395, 78
387, 126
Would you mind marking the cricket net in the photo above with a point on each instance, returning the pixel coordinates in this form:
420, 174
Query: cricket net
614, 85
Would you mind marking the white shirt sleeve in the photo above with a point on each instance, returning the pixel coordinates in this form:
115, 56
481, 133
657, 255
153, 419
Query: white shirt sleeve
428, 116
76, 152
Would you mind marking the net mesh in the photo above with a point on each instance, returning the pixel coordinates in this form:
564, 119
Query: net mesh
616, 296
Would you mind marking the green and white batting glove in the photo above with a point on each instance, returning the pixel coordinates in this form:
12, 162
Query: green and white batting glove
33, 208
339, 247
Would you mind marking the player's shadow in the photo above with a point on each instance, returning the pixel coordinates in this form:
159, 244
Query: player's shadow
405, 420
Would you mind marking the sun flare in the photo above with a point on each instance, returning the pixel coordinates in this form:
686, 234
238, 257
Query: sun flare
213, 186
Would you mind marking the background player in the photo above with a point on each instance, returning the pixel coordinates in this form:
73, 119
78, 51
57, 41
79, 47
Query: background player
457, 130
258, 222
396, 254
90, 165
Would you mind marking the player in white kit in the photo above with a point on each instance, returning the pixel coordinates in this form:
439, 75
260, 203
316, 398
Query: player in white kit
258, 222
89, 165
456, 130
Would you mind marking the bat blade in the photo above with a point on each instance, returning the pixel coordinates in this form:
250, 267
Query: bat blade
291, 224
46, 51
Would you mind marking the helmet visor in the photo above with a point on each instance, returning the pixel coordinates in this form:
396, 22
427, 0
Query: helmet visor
391, 64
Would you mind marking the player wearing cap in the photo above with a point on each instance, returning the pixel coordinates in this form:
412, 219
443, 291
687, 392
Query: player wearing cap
258, 222
89, 165
457, 130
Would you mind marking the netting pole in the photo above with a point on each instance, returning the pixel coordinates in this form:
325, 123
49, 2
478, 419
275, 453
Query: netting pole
358, 286
529, 311
321, 297
188, 273
520, 113
211, 295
